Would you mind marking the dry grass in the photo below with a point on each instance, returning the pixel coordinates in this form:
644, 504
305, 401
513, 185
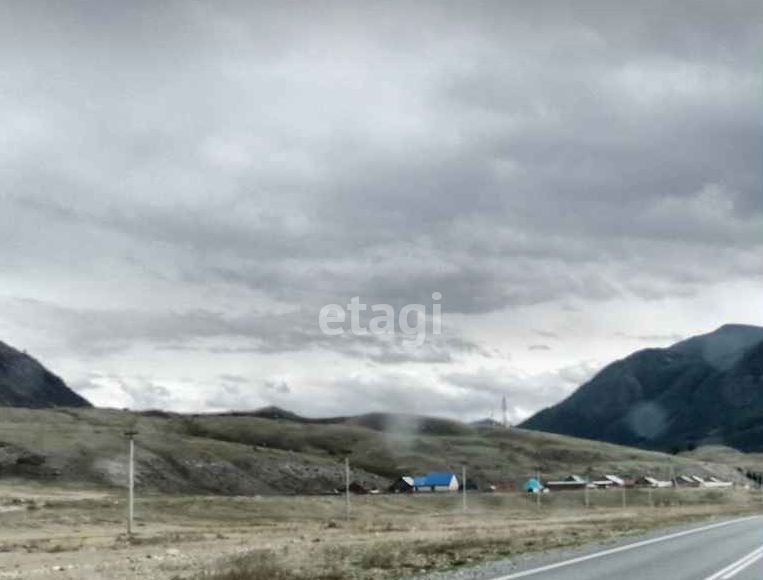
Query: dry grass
406, 546
296, 538
253, 566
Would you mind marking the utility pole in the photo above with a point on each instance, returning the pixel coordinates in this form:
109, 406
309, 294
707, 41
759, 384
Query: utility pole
131, 481
463, 484
540, 486
347, 487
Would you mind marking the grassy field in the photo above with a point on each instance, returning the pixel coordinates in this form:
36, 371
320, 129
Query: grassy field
718, 454
75, 533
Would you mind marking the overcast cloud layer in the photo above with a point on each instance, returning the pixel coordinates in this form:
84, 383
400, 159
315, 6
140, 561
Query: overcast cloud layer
184, 184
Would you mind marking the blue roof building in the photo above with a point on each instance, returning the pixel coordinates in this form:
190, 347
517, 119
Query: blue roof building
436, 482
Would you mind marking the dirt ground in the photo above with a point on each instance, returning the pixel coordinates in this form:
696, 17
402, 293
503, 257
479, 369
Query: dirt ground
78, 534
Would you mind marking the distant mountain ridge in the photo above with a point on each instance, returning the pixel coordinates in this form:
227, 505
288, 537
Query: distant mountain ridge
707, 389
397, 422
24, 382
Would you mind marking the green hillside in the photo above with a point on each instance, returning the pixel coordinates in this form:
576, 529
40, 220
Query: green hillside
255, 454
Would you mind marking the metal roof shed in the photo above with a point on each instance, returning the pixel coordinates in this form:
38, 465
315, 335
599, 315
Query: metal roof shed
436, 482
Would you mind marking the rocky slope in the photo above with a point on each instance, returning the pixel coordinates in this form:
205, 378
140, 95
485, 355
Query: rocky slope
24, 382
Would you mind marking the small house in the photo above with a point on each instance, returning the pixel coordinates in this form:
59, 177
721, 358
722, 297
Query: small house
615, 480
504, 486
571, 482
532, 485
358, 488
715, 483
471, 485
607, 482
403, 484
647, 481
686, 481
434, 482
601, 484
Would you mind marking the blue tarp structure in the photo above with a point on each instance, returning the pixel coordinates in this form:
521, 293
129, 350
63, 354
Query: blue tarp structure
532, 485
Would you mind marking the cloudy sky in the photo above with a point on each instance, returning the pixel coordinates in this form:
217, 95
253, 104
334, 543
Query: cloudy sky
183, 185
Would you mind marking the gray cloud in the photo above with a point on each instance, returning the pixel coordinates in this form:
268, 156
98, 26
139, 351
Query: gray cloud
100, 332
200, 177
653, 338
281, 387
136, 392
484, 388
512, 209
546, 333
474, 394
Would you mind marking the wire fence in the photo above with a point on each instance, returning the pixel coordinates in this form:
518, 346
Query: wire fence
579, 499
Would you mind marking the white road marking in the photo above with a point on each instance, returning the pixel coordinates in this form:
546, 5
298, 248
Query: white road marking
622, 549
736, 567
743, 567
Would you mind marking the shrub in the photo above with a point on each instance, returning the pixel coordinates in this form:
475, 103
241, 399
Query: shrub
253, 566
381, 556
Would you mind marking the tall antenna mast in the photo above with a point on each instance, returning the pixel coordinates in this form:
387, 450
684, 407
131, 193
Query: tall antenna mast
505, 409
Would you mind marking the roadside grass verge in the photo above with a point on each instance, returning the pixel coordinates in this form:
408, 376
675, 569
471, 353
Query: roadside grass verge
368, 552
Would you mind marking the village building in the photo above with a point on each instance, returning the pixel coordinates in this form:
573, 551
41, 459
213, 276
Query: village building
403, 484
607, 482
648, 481
532, 485
616, 481
571, 482
714, 482
686, 481
434, 482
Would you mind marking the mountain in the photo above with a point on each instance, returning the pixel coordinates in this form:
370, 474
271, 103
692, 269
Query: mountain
704, 390
24, 382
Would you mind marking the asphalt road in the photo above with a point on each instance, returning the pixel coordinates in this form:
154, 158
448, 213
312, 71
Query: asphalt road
724, 550
721, 551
